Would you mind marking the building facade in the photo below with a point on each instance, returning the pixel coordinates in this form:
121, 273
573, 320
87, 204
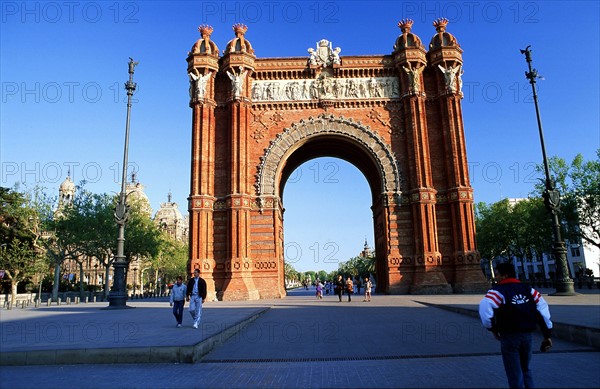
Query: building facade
168, 218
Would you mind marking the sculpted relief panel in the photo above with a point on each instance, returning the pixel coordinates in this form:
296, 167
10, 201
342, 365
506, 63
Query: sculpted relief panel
326, 87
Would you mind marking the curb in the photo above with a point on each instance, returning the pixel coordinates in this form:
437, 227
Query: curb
163, 354
585, 336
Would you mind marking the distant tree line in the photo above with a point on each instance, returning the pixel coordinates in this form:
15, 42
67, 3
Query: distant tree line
523, 229
36, 238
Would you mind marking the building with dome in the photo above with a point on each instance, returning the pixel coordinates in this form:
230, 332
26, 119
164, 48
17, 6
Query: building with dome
135, 193
66, 193
169, 219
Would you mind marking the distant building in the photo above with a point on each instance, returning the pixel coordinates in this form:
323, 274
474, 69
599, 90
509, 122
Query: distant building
367, 251
135, 192
169, 219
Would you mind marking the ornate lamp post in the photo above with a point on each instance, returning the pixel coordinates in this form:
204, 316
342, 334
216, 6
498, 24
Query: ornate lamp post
564, 284
118, 293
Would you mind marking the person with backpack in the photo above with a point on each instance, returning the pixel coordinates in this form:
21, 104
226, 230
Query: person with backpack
511, 310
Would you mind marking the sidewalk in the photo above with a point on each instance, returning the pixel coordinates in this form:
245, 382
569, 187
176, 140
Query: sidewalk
394, 341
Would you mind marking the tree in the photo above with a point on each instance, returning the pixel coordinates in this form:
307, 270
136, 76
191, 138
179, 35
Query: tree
357, 266
533, 230
170, 258
20, 262
495, 234
21, 254
290, 274
83, 229
579, 184
585, 180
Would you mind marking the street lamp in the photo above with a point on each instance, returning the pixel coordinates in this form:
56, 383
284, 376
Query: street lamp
564, 284
118, 294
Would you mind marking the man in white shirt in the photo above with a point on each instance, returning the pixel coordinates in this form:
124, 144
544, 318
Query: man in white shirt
196, 294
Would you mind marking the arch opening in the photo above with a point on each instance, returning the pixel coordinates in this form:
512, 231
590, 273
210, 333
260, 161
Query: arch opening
315, 200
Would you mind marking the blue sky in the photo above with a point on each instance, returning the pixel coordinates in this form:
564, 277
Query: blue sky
63, 66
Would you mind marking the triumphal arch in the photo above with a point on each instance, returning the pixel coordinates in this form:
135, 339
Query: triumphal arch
396, 117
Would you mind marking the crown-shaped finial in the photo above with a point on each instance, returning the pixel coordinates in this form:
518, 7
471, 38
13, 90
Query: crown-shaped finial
405, 25
205, 30
240, 29
440, 24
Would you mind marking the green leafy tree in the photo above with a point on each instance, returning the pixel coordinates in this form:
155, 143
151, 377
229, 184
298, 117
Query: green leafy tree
291, 275
494, 234
21, 261
169, 259
85, 228
357, 266
579, 185
21, 255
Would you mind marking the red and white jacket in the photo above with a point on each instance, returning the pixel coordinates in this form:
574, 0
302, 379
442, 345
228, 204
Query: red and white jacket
511, 306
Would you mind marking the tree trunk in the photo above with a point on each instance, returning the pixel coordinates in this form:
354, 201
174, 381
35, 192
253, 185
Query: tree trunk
81, 286
13, 293
56, 281
156, 286
106, 270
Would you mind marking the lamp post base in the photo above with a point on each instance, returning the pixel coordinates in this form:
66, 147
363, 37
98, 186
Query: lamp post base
117, 298
564, 288
564, 285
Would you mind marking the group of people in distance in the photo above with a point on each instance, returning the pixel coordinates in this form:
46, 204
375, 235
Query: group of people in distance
340, 287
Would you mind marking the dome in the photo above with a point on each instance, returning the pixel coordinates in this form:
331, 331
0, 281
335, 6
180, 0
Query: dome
168, 213
204, 45
239, 43
407, 38
67, 186
169, 219
135, 193
442, 38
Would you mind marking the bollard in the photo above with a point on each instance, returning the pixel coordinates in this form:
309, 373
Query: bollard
68, 301
38, 303
9, 306
94, 299
77, 300
48, 302
58, 301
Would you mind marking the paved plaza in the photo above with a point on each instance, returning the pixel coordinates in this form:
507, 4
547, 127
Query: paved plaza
298, 342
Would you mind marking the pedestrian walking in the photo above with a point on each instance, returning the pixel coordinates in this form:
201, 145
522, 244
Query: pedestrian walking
339, 286
196, 294
319, 290
357, 283
349, 288
177, 300
368, 286
511, 310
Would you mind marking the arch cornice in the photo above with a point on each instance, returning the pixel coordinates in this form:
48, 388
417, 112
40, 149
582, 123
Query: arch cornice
326, 124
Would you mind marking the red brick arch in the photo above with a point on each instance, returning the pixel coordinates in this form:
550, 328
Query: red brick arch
379, 156
397, 118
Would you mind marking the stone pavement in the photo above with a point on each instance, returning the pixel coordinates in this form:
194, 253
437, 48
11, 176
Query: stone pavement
296, 342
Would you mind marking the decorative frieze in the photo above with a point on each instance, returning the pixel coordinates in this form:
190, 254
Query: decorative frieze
325, 87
